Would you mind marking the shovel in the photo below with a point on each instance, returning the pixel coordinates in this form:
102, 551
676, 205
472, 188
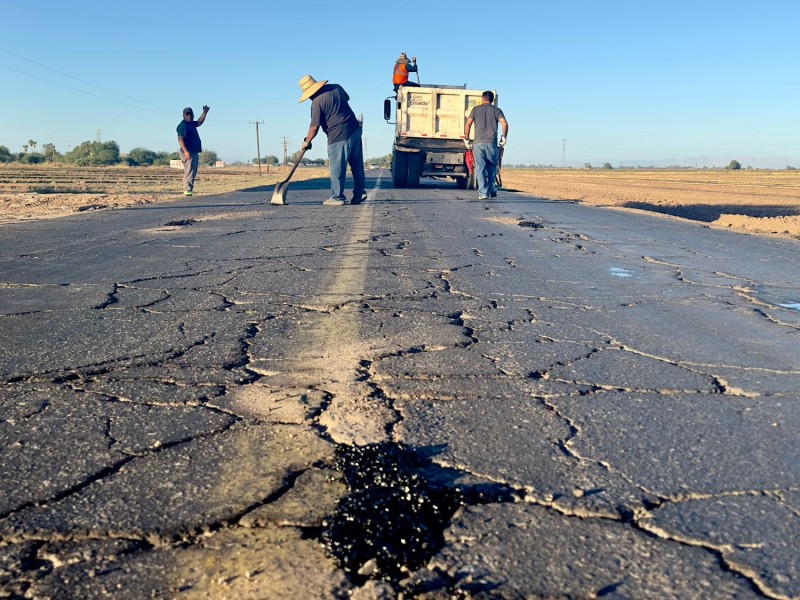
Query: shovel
279, 194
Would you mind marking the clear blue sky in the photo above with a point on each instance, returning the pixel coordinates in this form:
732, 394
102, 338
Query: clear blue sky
623, 81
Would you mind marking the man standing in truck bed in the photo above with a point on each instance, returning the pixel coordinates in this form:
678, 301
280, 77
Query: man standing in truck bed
486, 116
402, 67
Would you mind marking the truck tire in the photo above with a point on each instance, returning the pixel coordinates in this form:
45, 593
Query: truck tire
399, 169
461, 182
414, 169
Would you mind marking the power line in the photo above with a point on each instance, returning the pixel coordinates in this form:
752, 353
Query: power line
153, 108
79, 91
38, 64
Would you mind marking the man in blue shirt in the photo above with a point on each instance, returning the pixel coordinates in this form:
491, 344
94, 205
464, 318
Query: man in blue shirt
486, 117
191, 147
330, 110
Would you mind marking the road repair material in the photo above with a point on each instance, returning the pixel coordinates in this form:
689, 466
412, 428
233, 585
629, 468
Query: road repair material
279, 194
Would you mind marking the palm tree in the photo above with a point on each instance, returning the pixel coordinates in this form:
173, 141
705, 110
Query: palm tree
25, 148
32, 144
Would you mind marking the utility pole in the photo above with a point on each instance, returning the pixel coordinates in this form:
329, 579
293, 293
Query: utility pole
285, 156
564, 153
258, 144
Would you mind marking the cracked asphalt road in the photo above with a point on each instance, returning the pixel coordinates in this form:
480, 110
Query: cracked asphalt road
614, 393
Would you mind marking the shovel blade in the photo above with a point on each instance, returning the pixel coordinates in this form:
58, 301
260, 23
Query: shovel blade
279, 194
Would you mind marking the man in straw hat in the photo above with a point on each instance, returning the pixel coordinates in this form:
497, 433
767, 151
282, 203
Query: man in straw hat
402, 67
331, 111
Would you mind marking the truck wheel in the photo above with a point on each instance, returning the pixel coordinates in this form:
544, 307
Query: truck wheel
399, 169
461, 183
414, 169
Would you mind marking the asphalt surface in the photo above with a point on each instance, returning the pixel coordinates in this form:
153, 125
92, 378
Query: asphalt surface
423, 395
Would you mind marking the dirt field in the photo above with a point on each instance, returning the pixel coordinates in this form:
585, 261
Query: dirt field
764, 202
48, 191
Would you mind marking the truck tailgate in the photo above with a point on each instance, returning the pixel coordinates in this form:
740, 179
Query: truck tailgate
435, 112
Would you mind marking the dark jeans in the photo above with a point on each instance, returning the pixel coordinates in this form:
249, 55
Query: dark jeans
341, 154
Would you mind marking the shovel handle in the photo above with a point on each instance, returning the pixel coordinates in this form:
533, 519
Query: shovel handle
294, 166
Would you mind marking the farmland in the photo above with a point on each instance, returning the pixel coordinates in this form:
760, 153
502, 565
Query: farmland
766, 202
46, 191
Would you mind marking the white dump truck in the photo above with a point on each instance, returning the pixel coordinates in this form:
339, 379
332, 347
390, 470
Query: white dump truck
429, 133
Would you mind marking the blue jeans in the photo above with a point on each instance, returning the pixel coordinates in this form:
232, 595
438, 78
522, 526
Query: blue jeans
485, 168
341, 154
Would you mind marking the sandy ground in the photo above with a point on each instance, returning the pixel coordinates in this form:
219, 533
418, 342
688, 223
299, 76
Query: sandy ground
762, 202
49, 191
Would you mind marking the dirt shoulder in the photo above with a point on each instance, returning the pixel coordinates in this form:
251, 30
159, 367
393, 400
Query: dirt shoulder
30, 192
762, 202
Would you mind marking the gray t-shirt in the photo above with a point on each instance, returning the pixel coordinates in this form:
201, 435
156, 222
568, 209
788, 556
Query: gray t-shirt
331, 111
485, 118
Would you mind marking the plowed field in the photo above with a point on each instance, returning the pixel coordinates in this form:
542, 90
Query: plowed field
765, 202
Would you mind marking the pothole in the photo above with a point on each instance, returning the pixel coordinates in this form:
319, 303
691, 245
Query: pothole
392, 521
180, 223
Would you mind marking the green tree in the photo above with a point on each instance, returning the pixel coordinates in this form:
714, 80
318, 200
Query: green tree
34, 158
208, 157
94, 154
5, 155
267, 160
32, 144
607, 166
141, 157
734, 165
162, 159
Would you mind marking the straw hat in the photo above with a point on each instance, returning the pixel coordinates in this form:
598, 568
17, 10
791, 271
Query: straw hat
310, 86
403, 60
